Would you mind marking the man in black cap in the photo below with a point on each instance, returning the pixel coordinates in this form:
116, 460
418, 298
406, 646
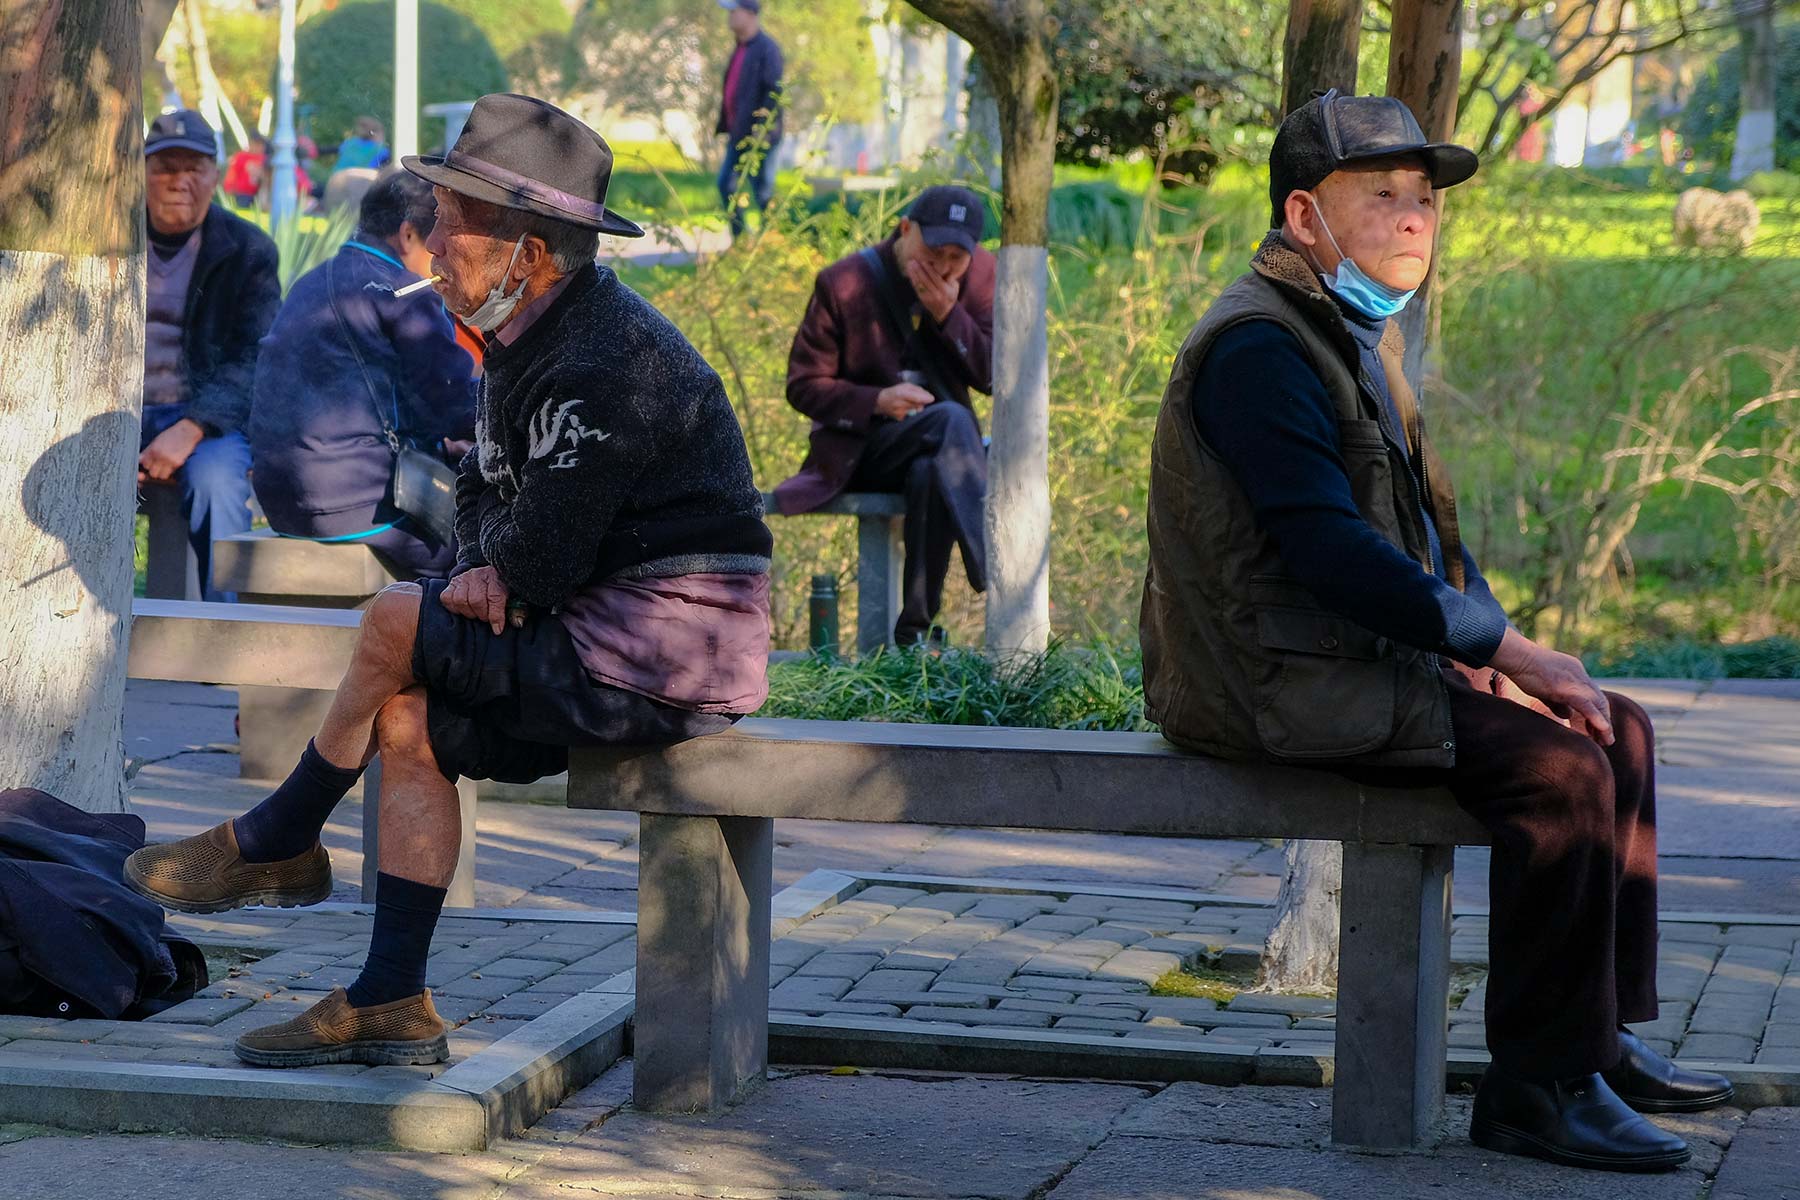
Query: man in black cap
893, 340
1310, 601
749, 112
612, 583
211, 294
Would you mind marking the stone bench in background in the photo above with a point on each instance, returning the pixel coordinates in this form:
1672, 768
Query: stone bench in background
879, 557
171, 571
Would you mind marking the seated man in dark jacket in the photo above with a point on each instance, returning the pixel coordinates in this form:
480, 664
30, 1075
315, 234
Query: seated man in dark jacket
891, 343
612, 588
1310, 602
211, 292
350, 363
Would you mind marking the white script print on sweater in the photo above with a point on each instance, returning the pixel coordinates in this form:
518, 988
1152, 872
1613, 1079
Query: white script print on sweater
548, 428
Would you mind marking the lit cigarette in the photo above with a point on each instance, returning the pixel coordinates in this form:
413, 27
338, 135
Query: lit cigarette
420, 286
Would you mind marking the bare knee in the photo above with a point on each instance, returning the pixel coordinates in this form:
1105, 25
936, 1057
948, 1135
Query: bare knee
391, 621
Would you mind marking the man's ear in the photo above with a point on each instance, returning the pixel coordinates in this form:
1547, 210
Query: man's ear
1300, 221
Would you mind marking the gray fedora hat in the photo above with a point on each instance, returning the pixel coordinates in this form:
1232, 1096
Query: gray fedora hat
521, 152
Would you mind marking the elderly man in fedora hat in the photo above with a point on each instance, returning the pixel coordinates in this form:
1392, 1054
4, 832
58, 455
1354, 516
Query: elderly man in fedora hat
1310, 602
612, 584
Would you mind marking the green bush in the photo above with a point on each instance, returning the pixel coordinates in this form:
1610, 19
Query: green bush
344, 65
1774, 185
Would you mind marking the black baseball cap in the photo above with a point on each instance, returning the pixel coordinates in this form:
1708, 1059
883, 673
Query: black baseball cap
183, 129
948, 215
1332, 130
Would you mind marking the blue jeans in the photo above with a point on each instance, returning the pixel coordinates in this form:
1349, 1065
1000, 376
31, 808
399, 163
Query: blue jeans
761, 184
215, 488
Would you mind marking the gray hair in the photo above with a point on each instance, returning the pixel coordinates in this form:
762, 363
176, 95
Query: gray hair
570, 246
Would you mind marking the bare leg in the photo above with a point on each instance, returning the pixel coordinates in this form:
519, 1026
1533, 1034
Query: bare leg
421, 821
380, 669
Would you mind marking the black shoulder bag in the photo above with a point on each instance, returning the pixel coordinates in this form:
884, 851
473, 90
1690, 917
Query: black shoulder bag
936, 379
424, 485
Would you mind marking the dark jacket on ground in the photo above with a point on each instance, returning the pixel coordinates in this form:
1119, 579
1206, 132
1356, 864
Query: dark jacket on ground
845, 352
605, 448
758, 92
74, 940
231, 303
1252, 649
322, 462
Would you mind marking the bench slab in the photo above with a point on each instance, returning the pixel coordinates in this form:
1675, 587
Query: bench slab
240, 644
1009, 778
267, 565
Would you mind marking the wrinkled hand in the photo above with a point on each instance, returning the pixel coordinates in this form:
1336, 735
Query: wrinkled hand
936, 293
457, 448
169, 451
1490, 682
1560, 681
480, 595
902, 400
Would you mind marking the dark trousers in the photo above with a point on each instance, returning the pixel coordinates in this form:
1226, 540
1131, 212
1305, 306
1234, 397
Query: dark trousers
936, 460
215, 488
736, 175
1572, 881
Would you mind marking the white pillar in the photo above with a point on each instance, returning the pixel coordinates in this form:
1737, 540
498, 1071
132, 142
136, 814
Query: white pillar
406, 78
283, 196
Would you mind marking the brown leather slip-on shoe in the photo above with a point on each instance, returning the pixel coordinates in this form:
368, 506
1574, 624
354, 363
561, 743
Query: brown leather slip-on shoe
404, 1033
206, 874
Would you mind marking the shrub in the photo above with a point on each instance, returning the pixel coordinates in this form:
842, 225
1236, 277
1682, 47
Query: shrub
1709, 119
344, 65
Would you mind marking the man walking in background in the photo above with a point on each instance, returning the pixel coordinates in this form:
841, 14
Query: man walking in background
893, 340
212, 292
749, 112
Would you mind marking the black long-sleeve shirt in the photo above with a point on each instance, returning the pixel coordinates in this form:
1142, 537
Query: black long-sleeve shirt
1260, 406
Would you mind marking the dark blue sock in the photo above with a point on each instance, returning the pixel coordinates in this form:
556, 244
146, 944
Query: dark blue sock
288, 822
405, 914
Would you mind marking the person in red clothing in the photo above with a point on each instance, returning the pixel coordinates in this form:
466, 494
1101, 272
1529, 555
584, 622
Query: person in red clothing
892, 342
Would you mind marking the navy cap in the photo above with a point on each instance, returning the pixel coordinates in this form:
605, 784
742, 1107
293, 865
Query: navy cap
948, 215
1332, 130
183, 129
749, 6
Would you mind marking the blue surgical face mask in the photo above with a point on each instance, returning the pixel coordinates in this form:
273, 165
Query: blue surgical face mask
1354, 286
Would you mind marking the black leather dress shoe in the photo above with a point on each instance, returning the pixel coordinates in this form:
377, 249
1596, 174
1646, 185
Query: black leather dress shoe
1577, 1122
1649, 1082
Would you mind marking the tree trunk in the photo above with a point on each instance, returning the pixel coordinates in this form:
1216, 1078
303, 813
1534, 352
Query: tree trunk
71, 371
1012, 38
1320, 49
1301, 954
1425, 71
1753, 149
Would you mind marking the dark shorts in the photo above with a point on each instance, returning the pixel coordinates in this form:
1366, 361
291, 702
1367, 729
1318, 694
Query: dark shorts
509, 707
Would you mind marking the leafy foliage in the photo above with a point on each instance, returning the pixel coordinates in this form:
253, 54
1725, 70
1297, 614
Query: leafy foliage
1162, 75
344, 65
1709, 121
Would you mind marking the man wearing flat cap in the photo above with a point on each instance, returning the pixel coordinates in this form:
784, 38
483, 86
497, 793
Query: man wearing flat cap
894, 338
612, 586
1310, 602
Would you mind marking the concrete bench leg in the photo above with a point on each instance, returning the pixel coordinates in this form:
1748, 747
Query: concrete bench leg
172, 572
462, 885
1393, 989
274, 725
880, 553
702, 1026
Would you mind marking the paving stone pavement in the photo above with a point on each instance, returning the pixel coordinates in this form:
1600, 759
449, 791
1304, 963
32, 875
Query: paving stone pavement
488, 977
869, 1135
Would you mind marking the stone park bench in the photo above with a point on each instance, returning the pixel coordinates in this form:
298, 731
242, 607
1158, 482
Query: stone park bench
253, 645
706, 820
879, 557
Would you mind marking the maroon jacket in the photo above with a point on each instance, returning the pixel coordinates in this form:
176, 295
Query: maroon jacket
845, 352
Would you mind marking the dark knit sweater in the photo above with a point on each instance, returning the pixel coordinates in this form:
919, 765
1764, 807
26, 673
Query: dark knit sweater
1261, 407
605, 448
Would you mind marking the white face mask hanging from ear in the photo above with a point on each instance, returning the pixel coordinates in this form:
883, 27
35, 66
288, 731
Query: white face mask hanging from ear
1355, 286
498, 306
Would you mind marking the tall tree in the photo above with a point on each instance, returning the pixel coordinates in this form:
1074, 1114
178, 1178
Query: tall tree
1425, 70
1320, 49
71, 370
1753, 150
1013, 43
